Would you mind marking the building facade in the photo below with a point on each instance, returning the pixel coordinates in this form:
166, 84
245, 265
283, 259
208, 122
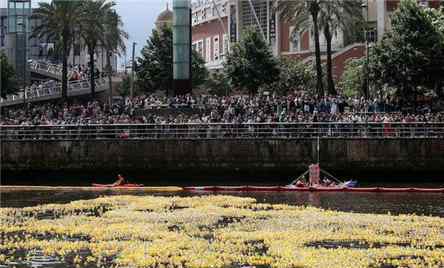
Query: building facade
380, 12
15, 34
16, 26
219, 23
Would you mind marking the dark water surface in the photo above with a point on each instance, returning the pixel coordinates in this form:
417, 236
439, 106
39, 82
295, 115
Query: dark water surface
379, 203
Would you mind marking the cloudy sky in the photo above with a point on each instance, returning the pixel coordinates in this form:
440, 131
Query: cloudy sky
138, 16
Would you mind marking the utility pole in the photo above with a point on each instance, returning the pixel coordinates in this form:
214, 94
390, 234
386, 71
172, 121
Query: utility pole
133, 64
25, 63
22, 25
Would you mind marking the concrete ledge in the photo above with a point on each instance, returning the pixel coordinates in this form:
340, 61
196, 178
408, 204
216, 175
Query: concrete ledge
217, 156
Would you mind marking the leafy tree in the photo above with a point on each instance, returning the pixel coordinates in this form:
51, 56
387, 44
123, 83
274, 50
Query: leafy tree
410, 58
294, 75
304, 14
125, 86
251, 64
218, 84
57, 22
155, 66
113, 42
92, 24
352, 80
199, 72
9, 82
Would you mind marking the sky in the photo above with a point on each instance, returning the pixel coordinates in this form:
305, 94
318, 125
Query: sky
138, 17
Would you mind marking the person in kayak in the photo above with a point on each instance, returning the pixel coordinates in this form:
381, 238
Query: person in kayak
297, 184
120, 181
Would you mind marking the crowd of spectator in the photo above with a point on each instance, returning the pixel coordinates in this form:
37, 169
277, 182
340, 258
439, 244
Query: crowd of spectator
81, 72
152, 109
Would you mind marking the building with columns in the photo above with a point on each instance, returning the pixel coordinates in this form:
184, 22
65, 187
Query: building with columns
219, 23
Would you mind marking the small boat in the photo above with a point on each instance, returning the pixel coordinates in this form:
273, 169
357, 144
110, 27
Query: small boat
350, 184
127, 185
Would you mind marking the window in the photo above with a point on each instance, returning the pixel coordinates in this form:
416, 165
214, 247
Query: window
216, 47
208, 50
200, 48
225, 45
423, 3
295, 40
372, 36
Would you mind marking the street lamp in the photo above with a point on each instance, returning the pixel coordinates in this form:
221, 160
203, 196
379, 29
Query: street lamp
133, 64
367, 84
22, 25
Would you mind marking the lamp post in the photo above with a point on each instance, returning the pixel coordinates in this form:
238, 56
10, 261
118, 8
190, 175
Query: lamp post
22, 25
132, 71
367, 84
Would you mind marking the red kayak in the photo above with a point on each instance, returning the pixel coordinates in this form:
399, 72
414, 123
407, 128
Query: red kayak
127, 185
308, 189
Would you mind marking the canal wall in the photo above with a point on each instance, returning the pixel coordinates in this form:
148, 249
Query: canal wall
356, 156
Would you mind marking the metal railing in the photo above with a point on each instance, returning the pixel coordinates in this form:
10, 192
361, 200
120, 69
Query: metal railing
75, 88
47, 68
226, 131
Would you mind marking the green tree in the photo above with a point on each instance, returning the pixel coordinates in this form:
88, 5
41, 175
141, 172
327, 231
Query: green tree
58, 20
155, 66
92, 24
352, 80
9, 81
125, 86
218, 84
410, 58
294, 75
199, 72
304, 14
251, 64
114, 43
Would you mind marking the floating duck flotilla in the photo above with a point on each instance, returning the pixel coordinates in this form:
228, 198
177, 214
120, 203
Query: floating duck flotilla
214, 231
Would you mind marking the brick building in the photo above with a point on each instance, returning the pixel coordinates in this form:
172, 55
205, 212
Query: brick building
219, 23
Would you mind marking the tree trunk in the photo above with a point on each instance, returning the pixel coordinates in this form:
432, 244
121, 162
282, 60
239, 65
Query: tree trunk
110, 81
319, 84
92, 78
330, 82
65, 69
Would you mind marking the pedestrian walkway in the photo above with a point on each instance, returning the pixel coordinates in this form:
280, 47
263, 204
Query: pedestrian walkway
75, 88
53, 71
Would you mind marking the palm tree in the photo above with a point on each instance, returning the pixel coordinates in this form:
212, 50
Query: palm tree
57, 22
113, 42
337, 15
93, 17
302, 14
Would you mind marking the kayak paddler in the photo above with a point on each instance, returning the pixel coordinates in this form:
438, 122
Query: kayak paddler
120, 181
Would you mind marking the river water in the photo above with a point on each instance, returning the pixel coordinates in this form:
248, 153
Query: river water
430, 204
379, 203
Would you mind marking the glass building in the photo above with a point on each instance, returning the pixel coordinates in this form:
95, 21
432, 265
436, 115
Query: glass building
19, 28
